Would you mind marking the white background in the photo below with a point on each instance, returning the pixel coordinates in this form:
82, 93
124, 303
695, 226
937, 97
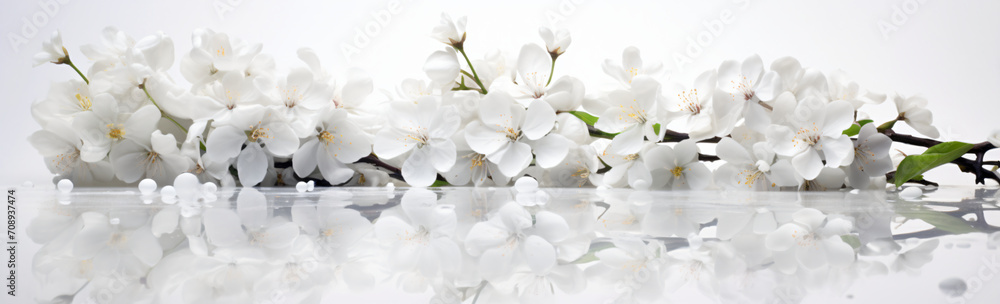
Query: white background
946, 51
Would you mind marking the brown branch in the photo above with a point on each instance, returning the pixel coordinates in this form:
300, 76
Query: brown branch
674, 136
373, 160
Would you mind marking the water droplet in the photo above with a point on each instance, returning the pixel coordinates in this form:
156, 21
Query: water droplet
65, 186
911, 193
115, 221
28, 184
953, 287
147, 186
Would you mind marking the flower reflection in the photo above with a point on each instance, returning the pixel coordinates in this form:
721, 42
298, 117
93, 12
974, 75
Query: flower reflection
272, 246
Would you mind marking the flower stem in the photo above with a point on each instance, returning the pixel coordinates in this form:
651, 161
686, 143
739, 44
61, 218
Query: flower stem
479, 291
766, 106
886, 126
162, 113
552, 71
467, 74
473, 69
70, 63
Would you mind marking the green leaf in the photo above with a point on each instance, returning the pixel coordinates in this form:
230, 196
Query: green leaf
853, 130
852, 240
943, 153
584, 116
440, 183
940, 220
856, 127
656, 128
591, 255
887, 125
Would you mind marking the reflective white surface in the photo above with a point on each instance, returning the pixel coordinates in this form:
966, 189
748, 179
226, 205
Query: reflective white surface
447, 245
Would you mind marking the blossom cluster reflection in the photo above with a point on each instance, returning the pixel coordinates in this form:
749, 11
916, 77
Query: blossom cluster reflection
463, 245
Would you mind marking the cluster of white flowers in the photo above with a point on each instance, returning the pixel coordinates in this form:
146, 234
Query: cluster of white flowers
471, 122
194, 244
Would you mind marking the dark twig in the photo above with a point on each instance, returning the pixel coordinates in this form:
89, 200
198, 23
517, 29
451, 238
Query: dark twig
892, 175
393, 171
674, 136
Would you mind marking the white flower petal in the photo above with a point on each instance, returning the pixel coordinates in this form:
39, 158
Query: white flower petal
769, 86
281, 140
251, 165
222, 227
808, 164
782, 239
538, 120
304, 160
838, 151
332, 169
145, 246
539, 254
225, 142
732, 152
698, 176
483, 139
391, 142
550, 150
442, 66
512, 158
551, 226
418, 170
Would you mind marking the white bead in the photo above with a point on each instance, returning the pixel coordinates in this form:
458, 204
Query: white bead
65, 186
187, 186
911, 193
312, 185
301, 187
390, 189
526, 184
147, 186
168, 192
209, 187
